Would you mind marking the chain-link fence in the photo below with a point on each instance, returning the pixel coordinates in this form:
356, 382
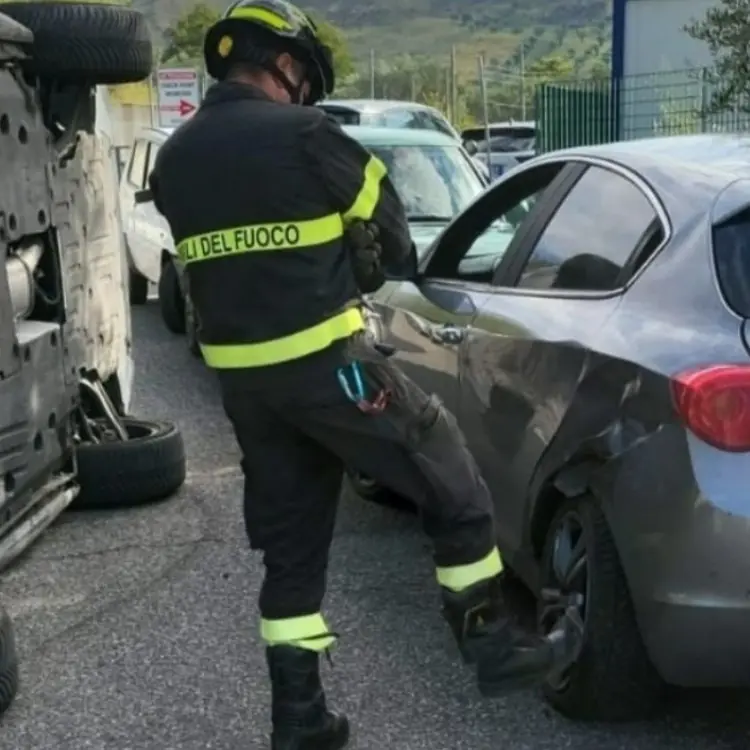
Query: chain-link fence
671, 103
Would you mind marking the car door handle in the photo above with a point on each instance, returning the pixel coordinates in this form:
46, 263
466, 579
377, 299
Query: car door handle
450, 333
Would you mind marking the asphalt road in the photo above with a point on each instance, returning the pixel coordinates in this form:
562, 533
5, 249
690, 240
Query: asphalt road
138, 629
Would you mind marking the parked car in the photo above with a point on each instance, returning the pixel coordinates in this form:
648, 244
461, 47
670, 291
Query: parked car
387, 113
432, 173
151, 252
509, 144
596, 354
66, 368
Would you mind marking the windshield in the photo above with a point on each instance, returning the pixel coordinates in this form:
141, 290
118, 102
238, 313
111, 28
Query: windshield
433, 182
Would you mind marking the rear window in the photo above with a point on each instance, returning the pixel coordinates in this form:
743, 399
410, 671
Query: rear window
732, 253
343, 116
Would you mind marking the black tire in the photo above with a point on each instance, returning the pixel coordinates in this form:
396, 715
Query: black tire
171, 301
8, 662
613, 678
85, 43
368, 490
148, 467
191, 328
138, 288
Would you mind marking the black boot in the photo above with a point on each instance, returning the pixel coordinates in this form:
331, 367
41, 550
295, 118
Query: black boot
299, 715
506, 657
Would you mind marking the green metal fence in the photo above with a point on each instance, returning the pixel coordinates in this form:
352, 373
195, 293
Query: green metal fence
583, 113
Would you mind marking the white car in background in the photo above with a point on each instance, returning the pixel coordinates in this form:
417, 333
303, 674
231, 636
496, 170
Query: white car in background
151, 251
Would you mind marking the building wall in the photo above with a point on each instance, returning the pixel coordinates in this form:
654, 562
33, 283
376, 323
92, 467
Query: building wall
654, 38
656, 64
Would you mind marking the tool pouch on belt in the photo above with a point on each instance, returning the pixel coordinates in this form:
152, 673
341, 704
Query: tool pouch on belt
428, 430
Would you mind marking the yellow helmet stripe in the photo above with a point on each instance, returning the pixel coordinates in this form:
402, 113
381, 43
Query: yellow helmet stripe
262, 15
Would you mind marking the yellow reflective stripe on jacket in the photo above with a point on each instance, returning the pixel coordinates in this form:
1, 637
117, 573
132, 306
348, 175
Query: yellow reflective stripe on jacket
309, 632
367, 200
300, 344
288, 235
460, 577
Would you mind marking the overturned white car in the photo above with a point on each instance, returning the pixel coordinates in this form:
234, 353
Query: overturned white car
66, 370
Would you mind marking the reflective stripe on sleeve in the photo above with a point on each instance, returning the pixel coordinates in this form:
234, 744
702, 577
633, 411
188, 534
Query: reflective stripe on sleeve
300, 344
460, 577
290, 235
367, 200
309, 632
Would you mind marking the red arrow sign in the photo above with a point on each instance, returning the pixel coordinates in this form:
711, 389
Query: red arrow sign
185, 108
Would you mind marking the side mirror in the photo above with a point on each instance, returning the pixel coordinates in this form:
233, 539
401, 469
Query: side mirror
471, 147
144, 196
406, 271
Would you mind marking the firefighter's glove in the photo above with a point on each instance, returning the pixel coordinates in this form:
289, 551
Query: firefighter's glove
361, 239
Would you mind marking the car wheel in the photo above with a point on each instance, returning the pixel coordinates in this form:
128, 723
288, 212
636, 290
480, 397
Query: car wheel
171, 301
147, 467
8, 662
191, 328
86, 44
613, 678
138, 286
368, 489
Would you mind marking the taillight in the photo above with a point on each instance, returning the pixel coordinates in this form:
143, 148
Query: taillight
714, 403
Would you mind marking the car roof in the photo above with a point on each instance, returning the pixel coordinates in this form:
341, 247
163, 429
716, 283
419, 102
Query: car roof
374, 105
724, 152
688, 172
375, 136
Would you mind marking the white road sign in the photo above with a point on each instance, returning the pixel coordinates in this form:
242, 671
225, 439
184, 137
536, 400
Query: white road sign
179, 95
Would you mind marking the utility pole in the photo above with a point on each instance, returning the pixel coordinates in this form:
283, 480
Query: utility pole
523, 81
453, 98
372, 74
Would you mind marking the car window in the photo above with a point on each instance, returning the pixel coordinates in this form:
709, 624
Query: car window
433, 182
731, 241
397, 118
490, 246
475, 245
137, 169
592, 235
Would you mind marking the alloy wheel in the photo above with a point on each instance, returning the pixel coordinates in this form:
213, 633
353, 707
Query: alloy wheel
566, 582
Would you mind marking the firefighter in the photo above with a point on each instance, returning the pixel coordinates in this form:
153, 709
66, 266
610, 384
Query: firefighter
282, 221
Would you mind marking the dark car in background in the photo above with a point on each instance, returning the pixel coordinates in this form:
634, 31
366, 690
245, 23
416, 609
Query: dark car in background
501, 145
596, 351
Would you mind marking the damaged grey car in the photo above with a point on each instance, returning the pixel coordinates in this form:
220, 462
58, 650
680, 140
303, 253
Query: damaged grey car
66, 369
596, 351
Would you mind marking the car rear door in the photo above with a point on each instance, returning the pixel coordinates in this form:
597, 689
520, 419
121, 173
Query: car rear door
152, 227
536, 334
132, 181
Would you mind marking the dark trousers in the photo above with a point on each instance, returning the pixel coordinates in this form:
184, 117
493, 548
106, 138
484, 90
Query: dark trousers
299, 433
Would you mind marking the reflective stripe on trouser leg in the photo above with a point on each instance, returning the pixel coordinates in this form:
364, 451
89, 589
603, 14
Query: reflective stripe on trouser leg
309, 632
460, 577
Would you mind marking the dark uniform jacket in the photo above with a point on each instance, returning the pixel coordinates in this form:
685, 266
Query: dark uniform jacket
257, 195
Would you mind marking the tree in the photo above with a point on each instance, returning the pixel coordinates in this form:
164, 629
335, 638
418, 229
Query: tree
184, 39
551, 68
725, 29
334, 38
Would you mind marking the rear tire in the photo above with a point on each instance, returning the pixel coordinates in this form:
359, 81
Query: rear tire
148, 467
191, 328
8, 663
138, 287
86, 44
369, 490
171, 301
613, 679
